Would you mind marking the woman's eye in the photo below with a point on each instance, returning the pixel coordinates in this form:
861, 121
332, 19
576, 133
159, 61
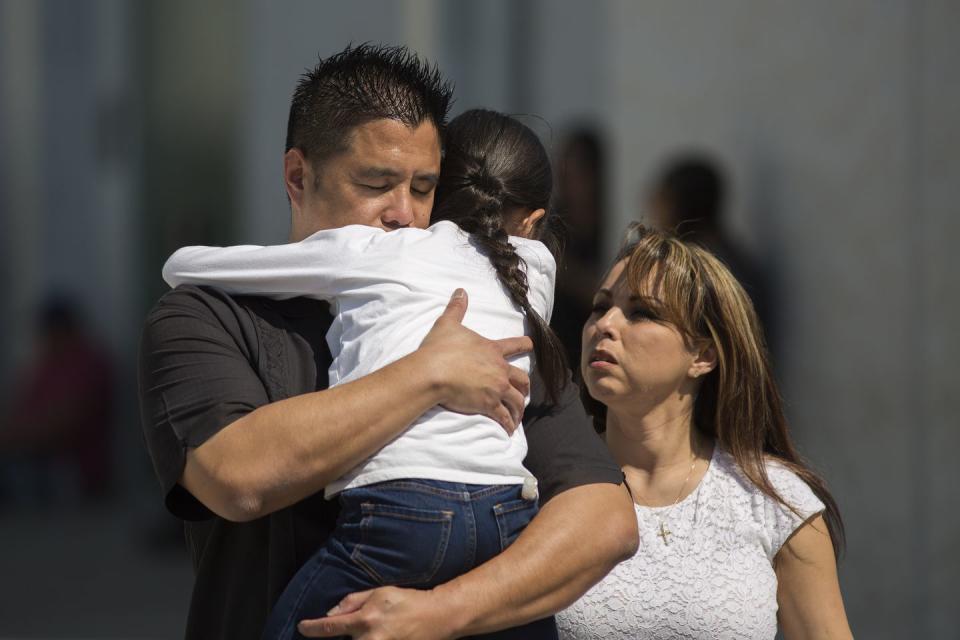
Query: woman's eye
374, 187
642, 312
599, 309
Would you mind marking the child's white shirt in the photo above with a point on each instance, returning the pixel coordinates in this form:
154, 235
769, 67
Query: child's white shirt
386, 289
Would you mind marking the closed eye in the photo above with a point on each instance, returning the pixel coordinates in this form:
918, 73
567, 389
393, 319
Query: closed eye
642, 313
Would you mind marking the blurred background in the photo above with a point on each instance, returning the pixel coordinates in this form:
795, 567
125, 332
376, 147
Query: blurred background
815, 146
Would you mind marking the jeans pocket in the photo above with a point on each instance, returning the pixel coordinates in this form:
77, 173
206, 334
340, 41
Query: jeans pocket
402, 545
512, 517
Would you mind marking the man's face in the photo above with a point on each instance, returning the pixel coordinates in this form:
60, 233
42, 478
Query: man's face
386, 178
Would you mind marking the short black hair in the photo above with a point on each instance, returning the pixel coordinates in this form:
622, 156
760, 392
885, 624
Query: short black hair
358, 85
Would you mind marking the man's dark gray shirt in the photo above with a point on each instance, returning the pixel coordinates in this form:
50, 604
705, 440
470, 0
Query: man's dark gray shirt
207, 359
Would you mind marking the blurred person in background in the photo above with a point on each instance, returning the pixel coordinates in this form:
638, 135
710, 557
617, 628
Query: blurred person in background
689, 198
244, 433
737, 533
55, 438
581, 184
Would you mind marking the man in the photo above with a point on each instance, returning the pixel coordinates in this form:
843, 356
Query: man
243, 433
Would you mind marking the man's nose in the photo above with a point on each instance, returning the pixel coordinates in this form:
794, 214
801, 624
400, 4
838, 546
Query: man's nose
400, 212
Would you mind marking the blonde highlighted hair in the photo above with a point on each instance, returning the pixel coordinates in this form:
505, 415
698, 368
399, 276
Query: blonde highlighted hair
739, 404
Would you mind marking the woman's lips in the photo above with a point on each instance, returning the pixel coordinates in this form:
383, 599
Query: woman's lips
601, 359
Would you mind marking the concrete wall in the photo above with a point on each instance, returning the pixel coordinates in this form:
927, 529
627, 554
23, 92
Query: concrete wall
840, 126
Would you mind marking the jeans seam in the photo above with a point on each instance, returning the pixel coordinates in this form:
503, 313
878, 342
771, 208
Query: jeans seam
445, 493
370, 509
446, 520
499, 511
522, 504
290, 621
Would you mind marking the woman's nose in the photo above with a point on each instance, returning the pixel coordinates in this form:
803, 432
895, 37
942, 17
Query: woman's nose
606, 323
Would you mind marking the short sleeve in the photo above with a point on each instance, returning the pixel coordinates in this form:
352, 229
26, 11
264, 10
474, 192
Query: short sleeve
195, 377
779, 520
541, 270
563, 450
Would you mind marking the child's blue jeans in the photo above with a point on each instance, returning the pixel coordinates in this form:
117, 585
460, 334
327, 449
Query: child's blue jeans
407, 533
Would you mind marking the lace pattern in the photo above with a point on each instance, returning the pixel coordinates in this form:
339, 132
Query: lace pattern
714, 579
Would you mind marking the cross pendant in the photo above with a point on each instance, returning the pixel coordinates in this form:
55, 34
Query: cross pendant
664, 532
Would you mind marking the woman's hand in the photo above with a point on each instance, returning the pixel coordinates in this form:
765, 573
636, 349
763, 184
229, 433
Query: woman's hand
471, 372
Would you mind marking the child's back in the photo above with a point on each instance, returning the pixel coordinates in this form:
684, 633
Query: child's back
386, 289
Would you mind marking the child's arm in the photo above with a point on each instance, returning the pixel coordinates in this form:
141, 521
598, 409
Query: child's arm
307, 268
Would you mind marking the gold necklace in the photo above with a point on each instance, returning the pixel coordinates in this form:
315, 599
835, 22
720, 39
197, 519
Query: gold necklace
663, 530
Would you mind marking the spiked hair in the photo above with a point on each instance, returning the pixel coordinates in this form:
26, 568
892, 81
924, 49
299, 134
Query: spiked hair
358, 85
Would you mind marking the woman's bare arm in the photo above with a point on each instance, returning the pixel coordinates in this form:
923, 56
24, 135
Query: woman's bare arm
808, 594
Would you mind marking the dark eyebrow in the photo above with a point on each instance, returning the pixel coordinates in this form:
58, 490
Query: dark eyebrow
377, 172
432, 178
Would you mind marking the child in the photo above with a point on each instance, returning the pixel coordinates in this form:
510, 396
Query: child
451, 491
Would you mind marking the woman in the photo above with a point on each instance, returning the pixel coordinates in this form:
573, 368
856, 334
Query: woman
451, 491
736, 532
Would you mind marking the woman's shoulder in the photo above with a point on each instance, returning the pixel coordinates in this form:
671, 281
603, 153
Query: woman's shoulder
778, 518
784, 480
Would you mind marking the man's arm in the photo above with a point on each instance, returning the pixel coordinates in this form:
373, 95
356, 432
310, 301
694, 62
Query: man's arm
576, 539
273, 455
586, 527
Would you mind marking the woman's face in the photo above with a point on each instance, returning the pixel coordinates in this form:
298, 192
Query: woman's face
630, 356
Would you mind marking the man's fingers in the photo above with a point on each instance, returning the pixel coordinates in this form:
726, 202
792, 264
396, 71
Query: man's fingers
457, 307
344, 625
519, 380
513, 346
514, 403
502, 415
353, 602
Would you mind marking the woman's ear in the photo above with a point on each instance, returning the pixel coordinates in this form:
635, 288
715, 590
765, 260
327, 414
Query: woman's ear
705, 362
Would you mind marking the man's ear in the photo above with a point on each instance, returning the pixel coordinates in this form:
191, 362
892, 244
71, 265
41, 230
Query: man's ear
296, 172
529, 221
705, 362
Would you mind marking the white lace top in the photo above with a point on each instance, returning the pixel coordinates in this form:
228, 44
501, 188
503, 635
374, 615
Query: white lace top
714, 578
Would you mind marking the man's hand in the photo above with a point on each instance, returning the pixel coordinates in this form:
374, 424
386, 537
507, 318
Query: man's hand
472, 371
387, 613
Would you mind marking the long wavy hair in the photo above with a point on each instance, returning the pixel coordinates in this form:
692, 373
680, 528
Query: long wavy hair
738, 405
494, 165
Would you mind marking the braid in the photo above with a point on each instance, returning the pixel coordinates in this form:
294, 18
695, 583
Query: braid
493, 163
486, 231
